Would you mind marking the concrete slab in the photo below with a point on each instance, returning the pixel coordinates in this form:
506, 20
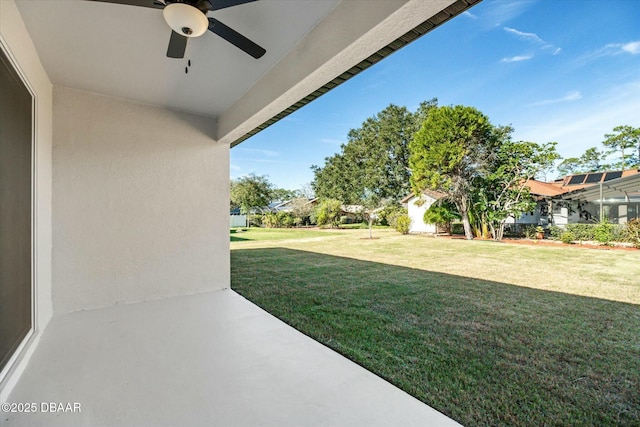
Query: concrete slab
212, 359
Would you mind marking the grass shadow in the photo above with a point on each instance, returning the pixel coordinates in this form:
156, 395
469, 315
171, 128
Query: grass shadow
482, 352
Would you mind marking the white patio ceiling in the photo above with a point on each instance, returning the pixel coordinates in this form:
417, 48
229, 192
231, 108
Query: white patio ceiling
120, 51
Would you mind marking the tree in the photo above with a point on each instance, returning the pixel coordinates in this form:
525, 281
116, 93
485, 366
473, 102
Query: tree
569, 166
301, 210
336, 179
624, 138
449, 152
282, 195
505, 184
250, 191
328, 212
370, 201
441, 213
591, 160
306, 191
375, 158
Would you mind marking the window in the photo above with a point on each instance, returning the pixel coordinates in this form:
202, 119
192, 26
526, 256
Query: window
16, 112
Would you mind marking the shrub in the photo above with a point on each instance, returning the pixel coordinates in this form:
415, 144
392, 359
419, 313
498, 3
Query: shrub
555, 232
403, 222
457, 228
328, 212
392, 218
618, 234
270, 220
388, 212
632, 232
582, 231
567, 237
441, 214
284, 219
603, 232
313, 218
255, 220
530, 232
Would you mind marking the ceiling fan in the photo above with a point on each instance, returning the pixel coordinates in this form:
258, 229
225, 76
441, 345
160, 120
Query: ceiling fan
188, 18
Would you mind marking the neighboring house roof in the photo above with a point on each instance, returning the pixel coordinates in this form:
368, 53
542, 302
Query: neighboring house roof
540, 188
627, 186
584, 180
431, 193
575, 182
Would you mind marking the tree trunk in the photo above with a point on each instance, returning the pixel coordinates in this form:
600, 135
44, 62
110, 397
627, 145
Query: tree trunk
468, 234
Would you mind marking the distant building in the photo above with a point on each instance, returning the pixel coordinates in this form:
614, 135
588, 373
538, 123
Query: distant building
585, 198
417, 206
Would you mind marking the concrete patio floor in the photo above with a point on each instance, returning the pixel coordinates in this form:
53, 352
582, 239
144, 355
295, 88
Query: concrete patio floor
211, 359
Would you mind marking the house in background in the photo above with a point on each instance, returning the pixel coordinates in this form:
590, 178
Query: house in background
585, 199
115, 192
417, 206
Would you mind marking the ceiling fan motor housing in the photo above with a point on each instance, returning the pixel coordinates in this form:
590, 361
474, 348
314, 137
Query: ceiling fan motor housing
185, 19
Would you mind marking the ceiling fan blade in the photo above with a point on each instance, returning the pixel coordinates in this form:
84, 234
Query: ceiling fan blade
177, 45
155, 4
222, 4
235, 38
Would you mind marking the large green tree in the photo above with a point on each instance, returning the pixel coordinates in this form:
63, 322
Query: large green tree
375, 158
250, 191
569, 166
505, 183
626, 141
282, 194
449, 153
592, 160
328, 212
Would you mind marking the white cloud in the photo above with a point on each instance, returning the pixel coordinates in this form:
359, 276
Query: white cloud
517, 58
533, 38
525, 36
502, 11
612, 49
234, 167
571, 96
633, 47
469, 14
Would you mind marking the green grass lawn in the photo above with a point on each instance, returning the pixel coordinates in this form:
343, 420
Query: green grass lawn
482, 331
261, 234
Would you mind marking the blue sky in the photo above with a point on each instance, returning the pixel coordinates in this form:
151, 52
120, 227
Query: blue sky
556, 70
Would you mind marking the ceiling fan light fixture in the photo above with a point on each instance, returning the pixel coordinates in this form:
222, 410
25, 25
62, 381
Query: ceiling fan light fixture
185, 19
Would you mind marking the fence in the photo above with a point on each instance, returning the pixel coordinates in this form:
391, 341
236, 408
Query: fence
237, 221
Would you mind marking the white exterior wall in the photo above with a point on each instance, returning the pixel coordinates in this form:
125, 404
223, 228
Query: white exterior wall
237, 221
17, 44
140, 207
416, 213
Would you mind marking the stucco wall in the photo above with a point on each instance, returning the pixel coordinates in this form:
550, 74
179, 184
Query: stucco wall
19, 47
140, 203
416, 213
